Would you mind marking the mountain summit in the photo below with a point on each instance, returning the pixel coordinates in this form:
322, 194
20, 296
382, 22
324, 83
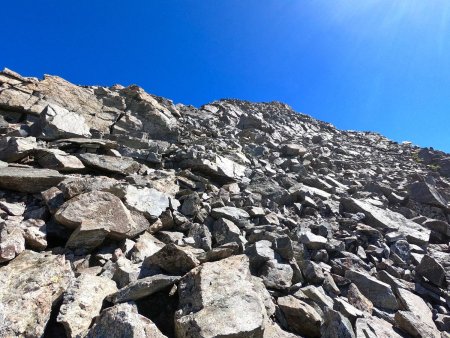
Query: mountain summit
125, 215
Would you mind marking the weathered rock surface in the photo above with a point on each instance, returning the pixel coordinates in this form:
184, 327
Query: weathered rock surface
234, 219
31, 284
123, 320
300, 317
28, 179
82, 302
379, 293
142, 288
102, 209
235, 311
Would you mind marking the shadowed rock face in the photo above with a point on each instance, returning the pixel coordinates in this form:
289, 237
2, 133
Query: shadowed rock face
234, 219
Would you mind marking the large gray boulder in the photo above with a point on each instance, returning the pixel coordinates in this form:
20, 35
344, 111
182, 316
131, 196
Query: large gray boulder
300, 317
425, 193
387, 220
123, 320
234, 311
58, 122
379, 293
82, 302
106, 209
173, 259
374, 327
31, 285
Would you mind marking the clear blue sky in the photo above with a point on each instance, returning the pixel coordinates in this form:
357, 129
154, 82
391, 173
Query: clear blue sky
379, 65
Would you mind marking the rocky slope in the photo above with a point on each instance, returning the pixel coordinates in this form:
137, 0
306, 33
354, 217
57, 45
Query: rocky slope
124, 215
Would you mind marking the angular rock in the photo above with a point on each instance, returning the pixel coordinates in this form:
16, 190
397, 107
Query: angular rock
373, 327
102, 209
336, 325
82, 302
426, 193
151, 202
385, 219
34, 231
300, 317
58, 122
431, 270
415, 304
358, 300
12, 242
174, 259
31, 284
123, 320
276, 275
58, 160
312, 241
15, 148
142, 288
28, 179
225, 231
379, 293
235, 311
233, 214
13, 209
111, 164
411, 324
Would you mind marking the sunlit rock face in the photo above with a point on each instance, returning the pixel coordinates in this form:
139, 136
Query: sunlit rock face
124, 215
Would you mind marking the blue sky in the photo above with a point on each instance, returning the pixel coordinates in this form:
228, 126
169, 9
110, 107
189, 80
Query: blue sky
380, 65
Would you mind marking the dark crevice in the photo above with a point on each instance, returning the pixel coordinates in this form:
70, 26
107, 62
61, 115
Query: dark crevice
53, 328
160, 309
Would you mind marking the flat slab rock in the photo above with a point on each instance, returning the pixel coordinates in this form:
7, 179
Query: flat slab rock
235, 311
112, 164
142, 288
30, 285
29, 180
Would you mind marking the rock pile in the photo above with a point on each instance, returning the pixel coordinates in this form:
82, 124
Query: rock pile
124, 215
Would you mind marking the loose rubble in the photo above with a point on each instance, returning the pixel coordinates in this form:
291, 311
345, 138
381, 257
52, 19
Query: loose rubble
125, 215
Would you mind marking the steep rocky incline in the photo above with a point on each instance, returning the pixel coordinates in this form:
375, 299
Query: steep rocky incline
124, 215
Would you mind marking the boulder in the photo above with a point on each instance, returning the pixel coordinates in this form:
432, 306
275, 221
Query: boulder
58, 122
31, 285
387, 220
142, 288
432, 270
379, 293
425, 193
173, 259
235, 311
123, 320
102, 209
412, 325
29, 180
300, 317
110, 164
82, 302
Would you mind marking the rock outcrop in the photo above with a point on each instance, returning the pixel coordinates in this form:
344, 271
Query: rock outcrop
124, 215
